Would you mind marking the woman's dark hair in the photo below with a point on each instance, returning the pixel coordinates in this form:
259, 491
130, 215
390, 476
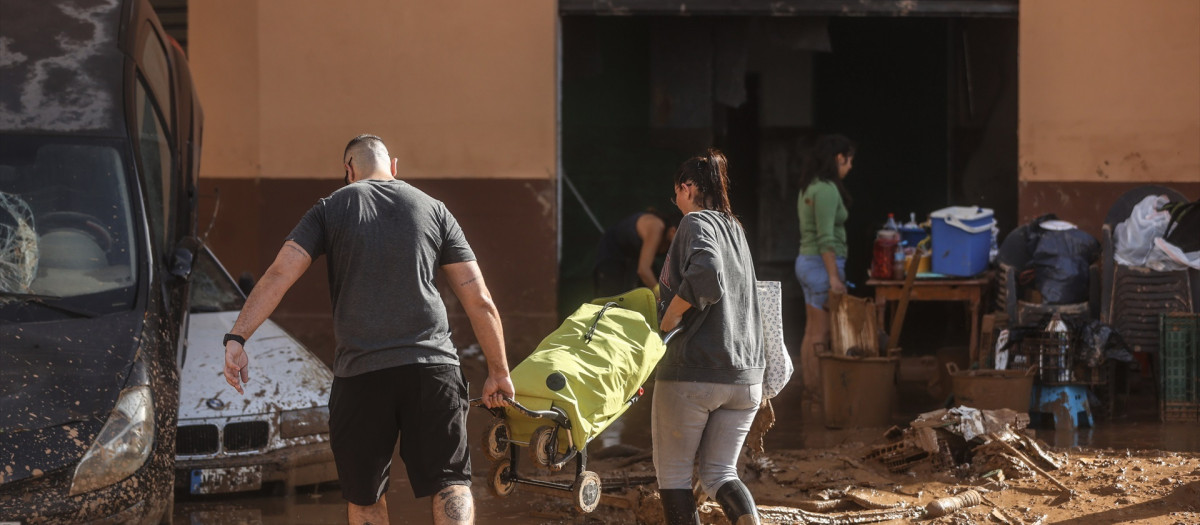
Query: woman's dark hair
822, 164
709, 174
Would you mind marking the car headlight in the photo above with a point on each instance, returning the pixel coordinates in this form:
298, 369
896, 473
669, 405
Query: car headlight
296, 423
123, 445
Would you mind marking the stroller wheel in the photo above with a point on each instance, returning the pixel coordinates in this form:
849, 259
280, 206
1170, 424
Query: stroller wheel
495, 440
542, 446
586, 491
501, 480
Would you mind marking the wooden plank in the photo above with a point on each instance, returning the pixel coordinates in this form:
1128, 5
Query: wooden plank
910, 275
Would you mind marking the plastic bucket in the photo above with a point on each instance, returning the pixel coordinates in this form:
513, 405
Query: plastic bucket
962, 237
991, 389
858, 391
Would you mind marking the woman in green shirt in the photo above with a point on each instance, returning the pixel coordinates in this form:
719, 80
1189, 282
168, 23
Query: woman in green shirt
821, 266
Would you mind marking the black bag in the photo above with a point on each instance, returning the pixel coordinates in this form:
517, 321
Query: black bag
1184, 229
1061, 265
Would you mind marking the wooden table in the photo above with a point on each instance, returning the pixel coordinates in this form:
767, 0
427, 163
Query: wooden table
970, 290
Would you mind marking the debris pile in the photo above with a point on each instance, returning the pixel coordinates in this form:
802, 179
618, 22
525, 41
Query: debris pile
952, 439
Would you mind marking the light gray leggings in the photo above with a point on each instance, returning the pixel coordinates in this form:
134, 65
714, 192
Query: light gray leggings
710, 420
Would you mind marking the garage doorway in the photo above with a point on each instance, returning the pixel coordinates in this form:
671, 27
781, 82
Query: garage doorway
931, 101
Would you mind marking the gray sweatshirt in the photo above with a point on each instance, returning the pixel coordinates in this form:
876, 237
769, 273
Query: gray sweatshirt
709, 266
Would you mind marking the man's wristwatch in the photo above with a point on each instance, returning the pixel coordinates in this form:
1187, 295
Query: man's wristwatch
233, 337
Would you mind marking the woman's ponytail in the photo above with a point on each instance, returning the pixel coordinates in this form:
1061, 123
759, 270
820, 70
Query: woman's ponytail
709, 174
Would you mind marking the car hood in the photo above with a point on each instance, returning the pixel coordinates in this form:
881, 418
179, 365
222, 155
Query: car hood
284, 375
60, 372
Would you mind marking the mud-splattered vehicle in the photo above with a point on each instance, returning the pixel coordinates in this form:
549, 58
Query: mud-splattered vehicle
99, 150
278, 431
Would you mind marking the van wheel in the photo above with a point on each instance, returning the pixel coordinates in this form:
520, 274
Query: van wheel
542, 446
587, 491
495, 440
501, 478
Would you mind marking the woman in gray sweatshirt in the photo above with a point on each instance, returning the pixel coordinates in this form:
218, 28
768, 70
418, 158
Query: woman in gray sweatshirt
709, 382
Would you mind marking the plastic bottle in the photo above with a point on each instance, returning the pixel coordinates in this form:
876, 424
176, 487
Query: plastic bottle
912, 222
1055, 367
883, 254
891, 223
898, 265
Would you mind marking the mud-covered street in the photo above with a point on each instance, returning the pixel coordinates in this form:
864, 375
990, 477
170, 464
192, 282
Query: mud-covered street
1134, 471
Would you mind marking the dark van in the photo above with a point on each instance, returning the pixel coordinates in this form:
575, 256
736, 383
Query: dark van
99, 154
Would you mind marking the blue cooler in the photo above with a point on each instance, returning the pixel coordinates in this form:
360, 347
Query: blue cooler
962, 237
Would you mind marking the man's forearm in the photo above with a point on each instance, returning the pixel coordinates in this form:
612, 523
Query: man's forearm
289, 265
262, 302
485, 321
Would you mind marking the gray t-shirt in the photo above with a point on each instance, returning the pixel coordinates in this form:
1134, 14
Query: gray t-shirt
385, 241
709, 266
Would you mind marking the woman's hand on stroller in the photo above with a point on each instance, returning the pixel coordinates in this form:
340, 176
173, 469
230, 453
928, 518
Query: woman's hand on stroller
496, 389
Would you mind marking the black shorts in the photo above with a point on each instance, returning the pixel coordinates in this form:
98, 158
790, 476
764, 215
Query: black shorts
426, 405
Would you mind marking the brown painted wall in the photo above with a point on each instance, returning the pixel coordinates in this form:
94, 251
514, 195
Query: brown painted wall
1083, 203
1110, 90
1109, 99
457, 88
463, 93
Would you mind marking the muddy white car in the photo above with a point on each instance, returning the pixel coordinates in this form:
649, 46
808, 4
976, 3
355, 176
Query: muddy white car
278, 431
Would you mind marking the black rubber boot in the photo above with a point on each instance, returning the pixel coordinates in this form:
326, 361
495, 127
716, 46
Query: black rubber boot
679, 505
738, 504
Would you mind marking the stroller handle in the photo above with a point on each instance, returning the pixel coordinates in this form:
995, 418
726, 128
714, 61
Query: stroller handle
556, 414
671, 335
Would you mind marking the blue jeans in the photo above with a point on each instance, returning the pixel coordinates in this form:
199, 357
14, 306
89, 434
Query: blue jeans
708, 420
814, 279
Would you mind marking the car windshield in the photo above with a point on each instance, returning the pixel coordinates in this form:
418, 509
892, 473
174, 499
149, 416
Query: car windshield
213, 290
67, 243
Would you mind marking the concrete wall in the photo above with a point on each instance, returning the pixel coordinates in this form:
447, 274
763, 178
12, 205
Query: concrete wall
462, 92
1109, 100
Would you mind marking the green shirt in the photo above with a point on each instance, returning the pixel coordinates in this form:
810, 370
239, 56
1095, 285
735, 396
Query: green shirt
822, 219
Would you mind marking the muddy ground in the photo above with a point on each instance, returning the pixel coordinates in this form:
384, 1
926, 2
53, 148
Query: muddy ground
1127, 486
1129, 470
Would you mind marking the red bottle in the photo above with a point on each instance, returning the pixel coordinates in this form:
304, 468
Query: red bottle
884, 255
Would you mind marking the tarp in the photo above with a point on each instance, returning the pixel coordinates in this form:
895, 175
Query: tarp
601, 375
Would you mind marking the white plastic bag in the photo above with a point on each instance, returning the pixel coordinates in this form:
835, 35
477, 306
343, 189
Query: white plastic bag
1166, 257
779, 362
1135, 236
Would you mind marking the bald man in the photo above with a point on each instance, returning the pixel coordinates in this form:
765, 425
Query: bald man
396, 371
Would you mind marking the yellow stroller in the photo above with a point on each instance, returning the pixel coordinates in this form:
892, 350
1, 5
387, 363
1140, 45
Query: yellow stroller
579, 380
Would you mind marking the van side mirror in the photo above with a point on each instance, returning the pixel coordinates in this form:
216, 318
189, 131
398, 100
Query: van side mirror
181, 262
184, 257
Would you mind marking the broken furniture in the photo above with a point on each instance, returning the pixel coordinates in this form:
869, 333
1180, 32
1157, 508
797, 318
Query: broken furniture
968, 290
